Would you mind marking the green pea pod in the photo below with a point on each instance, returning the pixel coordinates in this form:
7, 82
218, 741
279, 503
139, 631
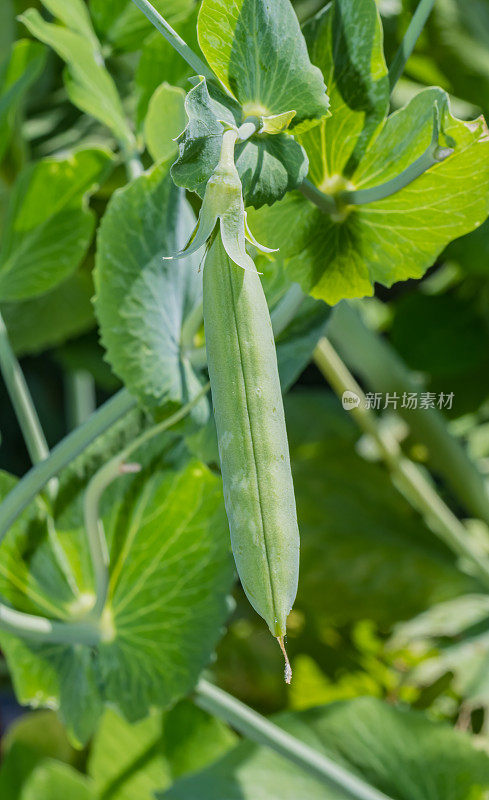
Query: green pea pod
253, 447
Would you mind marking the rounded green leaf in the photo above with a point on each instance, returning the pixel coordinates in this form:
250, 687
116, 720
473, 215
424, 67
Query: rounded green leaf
165, 120
170, 574
257, 50
342, 256
143, 300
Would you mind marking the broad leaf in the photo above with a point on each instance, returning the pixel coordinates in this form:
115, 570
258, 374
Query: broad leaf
401, 753
125, 26
89, 85
362, 551
25, 65
142, 300
268, 165
49, 227
344, 254
54, 781
164, 121
42, 322
133, 761
166, 606
258, 52
74, 14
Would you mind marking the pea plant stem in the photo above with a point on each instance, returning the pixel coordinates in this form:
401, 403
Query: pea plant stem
61, 455
21, 399
408, 43
41, 629
80, 396
382, 370
407, 476
174, 39
106, 475
264, 732
323, 201
433, 155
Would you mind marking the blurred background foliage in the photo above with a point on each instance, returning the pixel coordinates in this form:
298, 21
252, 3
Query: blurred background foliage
383, 608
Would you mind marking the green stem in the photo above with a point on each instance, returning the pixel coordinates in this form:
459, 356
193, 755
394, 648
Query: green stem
174, 39
406, 475
21, 400
41, 629
114, 469
335, 204
380, 367
61, 455
323, 201
408, 43
80, 396
434, 154
260, 730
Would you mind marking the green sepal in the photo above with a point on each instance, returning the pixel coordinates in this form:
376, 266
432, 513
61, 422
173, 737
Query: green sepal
223, 201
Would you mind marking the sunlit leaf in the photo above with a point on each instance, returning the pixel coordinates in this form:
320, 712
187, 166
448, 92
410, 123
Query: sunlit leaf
133, 761
342, 255
258, 52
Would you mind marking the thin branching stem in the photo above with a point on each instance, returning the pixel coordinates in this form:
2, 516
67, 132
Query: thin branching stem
408, 43
433, 155
333, 204
80, 396
407, 476
325, 202
264, 732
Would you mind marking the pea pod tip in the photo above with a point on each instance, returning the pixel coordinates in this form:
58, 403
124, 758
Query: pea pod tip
288, 668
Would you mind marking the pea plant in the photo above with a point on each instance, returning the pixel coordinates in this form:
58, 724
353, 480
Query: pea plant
212, 188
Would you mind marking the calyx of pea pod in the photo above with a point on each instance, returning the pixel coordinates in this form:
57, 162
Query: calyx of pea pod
223, 202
